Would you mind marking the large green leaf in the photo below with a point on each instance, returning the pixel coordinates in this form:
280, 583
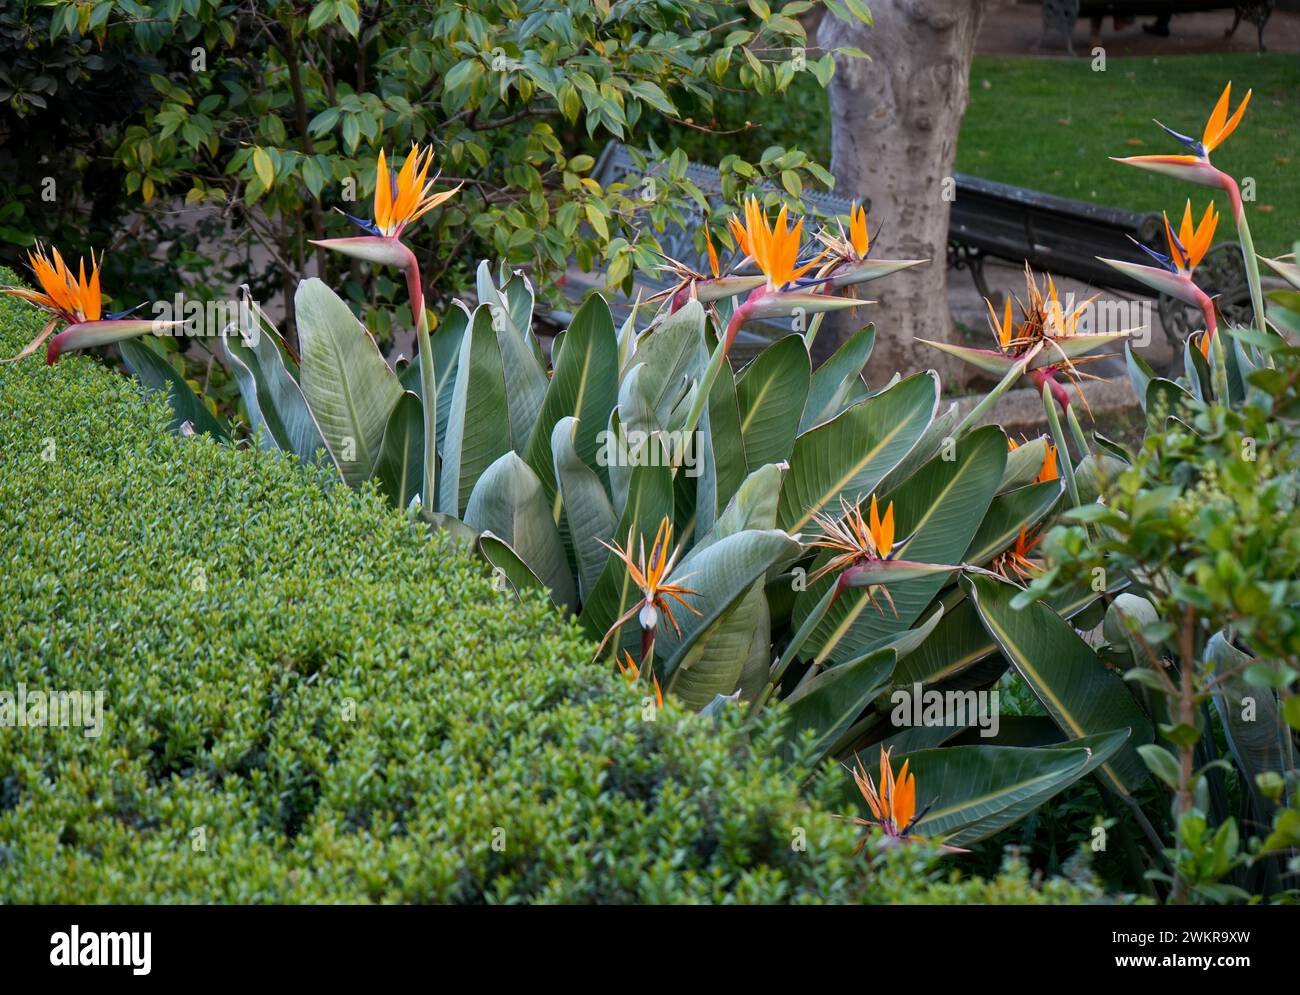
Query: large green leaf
753, 506
960, 640
720, 574
850, 454
720, 452
1139, 372
584, 504
829, 702
771, 392
831, 390
674, 357
152, 369
1007, 515
399, 468
1099, 749
478, 429
271, 394
957, 642
520, 299
971, 792
758, 661
508, 565
1257, 734
713, 661
509, 502
585, 385
631, 427
938, 440
345, 381
1065, 674
939, 507
521, 361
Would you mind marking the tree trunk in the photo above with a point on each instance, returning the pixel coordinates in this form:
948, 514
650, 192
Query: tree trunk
895, 119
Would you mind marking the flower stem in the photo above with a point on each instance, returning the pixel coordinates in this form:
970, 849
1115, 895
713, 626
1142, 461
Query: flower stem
428, 390
1247, 252
1080, 439
738, 318
1062, 450
1005, 384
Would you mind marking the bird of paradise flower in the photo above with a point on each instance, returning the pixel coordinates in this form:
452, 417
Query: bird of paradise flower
650, 575
1174, 274
1197, 168
76, 302
774, 248
401, 199
892, 803
1044, 343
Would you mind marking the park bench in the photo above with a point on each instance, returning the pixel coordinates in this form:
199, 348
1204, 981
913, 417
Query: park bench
988, 219
1059, 16
1065, 237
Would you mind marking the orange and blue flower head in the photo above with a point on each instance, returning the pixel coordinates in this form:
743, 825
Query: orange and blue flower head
1217, 128
1188, 247
402, 198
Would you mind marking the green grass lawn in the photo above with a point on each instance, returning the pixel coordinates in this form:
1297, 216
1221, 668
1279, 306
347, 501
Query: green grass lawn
1050, 124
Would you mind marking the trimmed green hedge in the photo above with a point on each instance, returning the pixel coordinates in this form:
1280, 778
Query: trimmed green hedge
306, 699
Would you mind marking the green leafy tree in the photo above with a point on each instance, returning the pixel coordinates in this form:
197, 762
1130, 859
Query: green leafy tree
272, 112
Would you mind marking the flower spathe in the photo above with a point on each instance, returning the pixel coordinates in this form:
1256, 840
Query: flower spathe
1196, 167
1173, 275
401, 199
74, 300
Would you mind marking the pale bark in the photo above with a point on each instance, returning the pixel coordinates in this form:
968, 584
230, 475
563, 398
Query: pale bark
894, 142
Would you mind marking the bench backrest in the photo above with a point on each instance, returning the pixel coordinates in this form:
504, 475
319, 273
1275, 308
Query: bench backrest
1054, 234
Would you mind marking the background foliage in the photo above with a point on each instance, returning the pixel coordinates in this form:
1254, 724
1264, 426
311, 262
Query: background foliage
256, 114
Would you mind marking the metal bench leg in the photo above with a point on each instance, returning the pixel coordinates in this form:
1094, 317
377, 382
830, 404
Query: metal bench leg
1262, 15
1257, 12
1058, 24
964, 257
